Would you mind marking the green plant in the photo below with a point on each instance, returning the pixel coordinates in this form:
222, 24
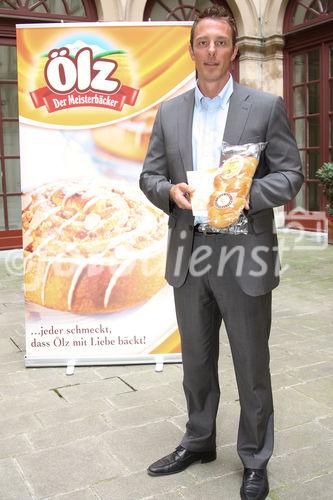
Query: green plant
325, 176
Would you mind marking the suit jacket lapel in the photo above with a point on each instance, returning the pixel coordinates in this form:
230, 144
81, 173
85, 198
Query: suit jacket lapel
185, 119
239, 109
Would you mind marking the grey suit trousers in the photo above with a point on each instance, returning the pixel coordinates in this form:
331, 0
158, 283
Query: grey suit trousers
209, 295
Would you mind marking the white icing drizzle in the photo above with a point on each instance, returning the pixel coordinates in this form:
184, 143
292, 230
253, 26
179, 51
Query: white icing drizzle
70, 191
27, 239
114, 278
45, 276
74, 281
47, 240
37, 220
91, 202
139, 254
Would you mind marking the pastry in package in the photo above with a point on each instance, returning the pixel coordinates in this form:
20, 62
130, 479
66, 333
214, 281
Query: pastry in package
226, 189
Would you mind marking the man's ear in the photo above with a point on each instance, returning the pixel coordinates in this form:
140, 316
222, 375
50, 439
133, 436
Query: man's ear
235, 52
191, 52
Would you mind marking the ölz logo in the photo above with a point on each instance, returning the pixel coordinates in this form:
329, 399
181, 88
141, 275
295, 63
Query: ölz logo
64, 74
81, 81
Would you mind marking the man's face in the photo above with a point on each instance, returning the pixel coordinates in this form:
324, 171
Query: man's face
212, 50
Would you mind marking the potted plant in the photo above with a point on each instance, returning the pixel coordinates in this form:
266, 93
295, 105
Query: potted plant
325, 176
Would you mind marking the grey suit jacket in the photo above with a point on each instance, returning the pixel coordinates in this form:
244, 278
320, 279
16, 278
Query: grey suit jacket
253, 116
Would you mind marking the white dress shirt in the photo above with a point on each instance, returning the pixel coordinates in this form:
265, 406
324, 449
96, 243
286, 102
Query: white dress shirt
209, 119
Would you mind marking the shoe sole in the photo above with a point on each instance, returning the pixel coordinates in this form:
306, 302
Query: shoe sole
262, 497
204, 459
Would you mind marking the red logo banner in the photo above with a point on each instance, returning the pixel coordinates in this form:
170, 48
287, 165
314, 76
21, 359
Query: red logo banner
57, 102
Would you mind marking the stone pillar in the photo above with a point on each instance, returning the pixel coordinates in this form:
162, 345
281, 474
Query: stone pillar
111, 10
261, 63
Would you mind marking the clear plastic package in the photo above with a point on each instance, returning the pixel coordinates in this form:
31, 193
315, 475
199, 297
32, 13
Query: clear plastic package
220, 196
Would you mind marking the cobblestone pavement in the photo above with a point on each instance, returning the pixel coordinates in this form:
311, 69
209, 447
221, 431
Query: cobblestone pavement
93, 434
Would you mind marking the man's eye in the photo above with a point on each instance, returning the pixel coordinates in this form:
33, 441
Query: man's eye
203, 43
220, 43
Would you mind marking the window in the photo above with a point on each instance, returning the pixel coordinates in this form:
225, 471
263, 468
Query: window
308, 12
177, 10
49, 9
309, 90
10, 202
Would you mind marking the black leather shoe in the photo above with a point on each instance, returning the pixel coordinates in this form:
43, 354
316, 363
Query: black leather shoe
255, 484
179, 460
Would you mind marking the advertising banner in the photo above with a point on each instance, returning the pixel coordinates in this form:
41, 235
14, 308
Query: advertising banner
94, 247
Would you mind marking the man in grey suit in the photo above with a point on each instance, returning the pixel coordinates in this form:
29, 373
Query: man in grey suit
222, 276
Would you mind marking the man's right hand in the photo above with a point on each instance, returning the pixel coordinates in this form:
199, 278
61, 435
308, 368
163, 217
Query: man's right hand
180, 195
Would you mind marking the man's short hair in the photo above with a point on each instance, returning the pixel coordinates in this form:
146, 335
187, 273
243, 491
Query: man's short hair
215, 12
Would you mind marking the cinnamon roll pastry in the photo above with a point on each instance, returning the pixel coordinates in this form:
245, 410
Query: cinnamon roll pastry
91, 249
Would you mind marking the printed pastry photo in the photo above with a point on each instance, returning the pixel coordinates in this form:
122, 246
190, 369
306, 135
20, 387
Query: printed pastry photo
128, 138
91, 248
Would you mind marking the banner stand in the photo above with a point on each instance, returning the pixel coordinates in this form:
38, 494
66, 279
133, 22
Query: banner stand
159, 365
94, 247
159, 360
70, 364
70, 367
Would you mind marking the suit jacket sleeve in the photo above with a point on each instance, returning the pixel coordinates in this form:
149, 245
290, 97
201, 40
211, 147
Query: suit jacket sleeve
283, 169
154, 179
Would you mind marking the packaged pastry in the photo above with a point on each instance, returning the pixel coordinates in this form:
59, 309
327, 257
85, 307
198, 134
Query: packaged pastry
222, 203
91, 248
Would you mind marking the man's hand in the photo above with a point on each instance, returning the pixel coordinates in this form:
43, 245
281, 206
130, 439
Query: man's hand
247, 203
180, 195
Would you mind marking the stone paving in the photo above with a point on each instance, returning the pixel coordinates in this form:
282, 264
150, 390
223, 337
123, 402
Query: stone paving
92, 435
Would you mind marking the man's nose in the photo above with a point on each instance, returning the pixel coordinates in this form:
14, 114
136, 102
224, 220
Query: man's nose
211, 47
